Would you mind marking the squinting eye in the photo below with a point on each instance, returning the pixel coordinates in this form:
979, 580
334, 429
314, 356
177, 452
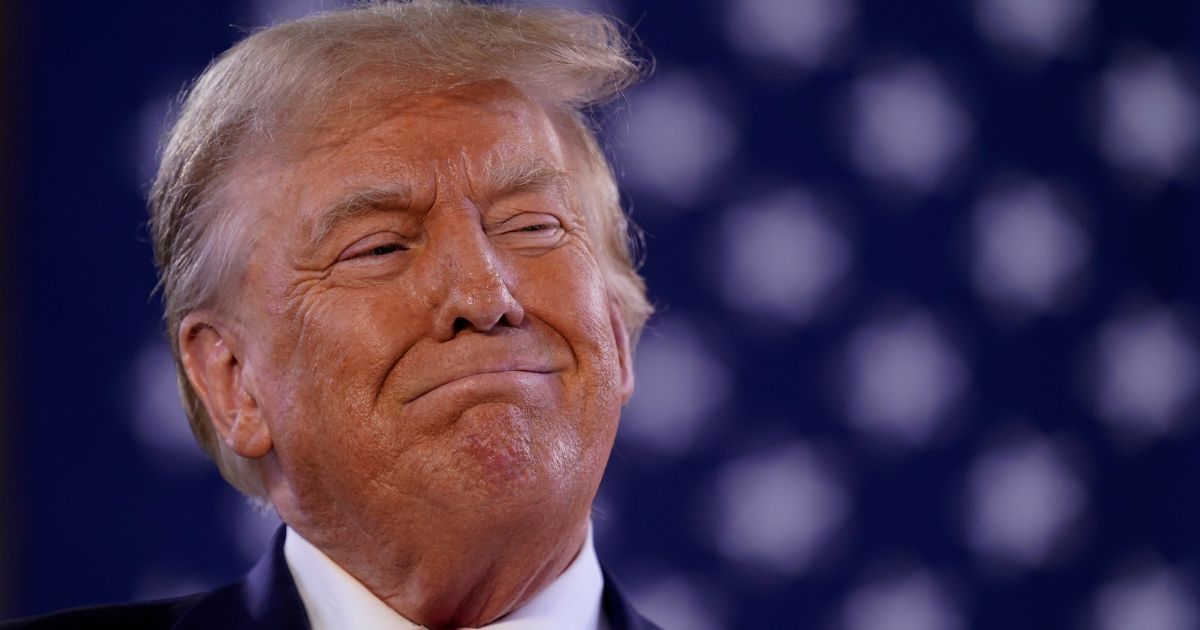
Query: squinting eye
376, 246
382, 250
530, 233
536, 228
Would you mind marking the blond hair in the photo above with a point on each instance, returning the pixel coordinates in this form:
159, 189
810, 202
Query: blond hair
298, 71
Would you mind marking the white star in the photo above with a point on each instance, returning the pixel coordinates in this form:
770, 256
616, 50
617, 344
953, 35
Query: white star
799, 32
680, 383
1023, 499
1037, 28
779, 509
1148, 372
905, 600
907, 129
784, 256
677, 139
1152, 598
1026, 248
1150, 118
903, 377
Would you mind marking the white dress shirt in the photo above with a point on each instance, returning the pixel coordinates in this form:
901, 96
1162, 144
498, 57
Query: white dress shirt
335, 600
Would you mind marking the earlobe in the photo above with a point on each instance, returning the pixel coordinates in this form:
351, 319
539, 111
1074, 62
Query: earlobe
624, 351
216, 371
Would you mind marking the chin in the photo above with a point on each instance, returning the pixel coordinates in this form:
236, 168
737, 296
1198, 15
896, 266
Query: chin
496, 440
509, 454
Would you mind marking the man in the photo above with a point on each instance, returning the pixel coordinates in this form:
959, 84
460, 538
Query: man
399, 290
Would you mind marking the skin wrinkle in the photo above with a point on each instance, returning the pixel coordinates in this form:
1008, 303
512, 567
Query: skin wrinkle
305, 296
299, 105
395, 197
457, 505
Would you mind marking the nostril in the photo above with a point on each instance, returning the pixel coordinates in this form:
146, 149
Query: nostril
461, 324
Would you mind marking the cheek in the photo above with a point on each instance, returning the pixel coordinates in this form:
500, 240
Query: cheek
567, 291
569, 295
329, 354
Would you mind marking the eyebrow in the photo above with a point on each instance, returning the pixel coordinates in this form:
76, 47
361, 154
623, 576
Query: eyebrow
358, 203
507, 176
501, 177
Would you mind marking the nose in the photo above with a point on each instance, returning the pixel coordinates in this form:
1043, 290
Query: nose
476, 284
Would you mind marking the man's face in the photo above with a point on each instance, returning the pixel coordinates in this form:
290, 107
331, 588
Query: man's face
424, 326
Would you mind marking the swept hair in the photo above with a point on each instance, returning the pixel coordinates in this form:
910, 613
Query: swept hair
296, 75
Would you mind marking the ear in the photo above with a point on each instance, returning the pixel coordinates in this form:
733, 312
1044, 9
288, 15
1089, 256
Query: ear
211, 356
624, 352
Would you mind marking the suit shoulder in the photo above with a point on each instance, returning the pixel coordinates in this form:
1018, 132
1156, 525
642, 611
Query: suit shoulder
139, 615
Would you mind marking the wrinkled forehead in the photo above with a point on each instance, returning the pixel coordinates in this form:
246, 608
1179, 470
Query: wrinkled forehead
280, 184
491, 133
370, 118
483, 130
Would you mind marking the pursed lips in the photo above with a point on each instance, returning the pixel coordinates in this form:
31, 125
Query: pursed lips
468, 371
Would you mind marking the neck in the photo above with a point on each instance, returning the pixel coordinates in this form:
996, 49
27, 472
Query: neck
453, 575
462, 585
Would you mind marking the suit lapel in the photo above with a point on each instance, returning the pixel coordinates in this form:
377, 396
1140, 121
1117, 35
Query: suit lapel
265, 598
619, 610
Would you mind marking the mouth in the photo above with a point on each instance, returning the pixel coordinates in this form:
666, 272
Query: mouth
485, 379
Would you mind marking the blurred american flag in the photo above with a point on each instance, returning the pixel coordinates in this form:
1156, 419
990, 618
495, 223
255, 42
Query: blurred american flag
927, 352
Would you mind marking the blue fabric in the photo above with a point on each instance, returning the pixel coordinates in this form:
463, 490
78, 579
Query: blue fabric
266, 597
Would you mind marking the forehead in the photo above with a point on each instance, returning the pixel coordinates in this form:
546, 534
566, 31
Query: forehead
470, 127
414, 143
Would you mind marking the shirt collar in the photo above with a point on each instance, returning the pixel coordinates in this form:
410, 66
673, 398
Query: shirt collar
334, 599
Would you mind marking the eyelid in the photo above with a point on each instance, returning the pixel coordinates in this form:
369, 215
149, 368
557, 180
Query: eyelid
525, 220
363, 247
526, 228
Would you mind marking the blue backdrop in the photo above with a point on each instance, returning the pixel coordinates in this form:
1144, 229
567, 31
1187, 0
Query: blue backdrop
927, 353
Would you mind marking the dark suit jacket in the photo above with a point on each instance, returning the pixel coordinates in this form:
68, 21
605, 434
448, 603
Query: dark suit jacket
266, 597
